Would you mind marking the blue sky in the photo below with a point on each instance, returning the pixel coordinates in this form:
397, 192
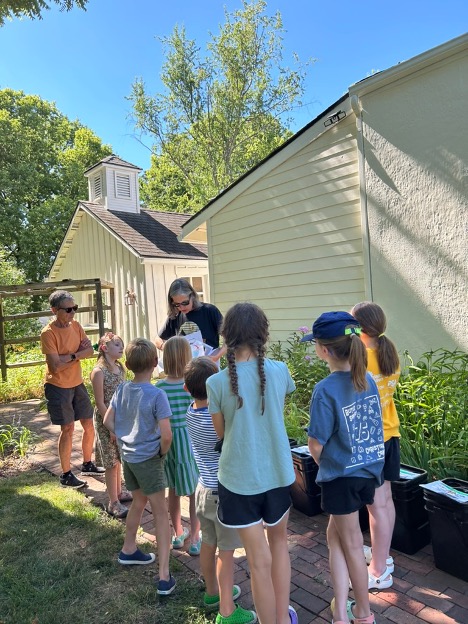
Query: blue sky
86, 61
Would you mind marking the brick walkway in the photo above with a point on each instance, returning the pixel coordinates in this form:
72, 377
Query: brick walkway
420, 594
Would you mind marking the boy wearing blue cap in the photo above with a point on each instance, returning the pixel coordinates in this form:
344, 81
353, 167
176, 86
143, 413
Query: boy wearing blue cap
346, 441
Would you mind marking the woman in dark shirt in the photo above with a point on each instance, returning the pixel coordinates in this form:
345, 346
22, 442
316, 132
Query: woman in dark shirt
186, 309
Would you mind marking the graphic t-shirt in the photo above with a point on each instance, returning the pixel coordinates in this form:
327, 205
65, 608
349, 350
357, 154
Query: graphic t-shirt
386, 387
348, 424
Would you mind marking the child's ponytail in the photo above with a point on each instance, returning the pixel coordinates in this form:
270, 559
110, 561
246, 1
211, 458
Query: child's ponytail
372, 319
358, 362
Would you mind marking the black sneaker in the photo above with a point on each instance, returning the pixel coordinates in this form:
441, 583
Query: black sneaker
90, 468
69, 480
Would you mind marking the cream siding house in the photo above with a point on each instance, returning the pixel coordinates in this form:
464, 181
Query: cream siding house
368, 201
136, 250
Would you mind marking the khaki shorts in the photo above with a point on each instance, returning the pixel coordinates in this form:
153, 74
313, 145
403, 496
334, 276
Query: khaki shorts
147, 476
213, 532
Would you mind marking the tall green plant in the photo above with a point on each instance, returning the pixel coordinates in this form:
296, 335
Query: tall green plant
432, 403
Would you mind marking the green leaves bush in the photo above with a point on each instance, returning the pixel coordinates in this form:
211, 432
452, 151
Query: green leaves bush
432, 403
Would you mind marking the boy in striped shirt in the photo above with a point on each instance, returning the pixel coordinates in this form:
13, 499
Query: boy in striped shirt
219, 579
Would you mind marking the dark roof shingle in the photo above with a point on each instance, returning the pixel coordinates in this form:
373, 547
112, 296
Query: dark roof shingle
151, 234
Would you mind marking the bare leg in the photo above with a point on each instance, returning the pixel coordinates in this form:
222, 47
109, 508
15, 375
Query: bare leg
260, 561
163, 531
280, 567
65, 444
133, 521
225, 574
194, 521
347, 549
381, 523
87, 441
208, 568
112, 476
174, 512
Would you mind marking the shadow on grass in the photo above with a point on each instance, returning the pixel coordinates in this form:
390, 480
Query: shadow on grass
58, 562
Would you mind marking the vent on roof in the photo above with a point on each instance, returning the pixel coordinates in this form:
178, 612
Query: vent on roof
122, 185
97, 186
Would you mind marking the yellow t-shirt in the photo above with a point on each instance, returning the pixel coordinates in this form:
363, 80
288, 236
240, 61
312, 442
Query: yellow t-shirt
63, 340
386, 387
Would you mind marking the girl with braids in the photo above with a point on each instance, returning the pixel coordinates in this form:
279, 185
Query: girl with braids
106, 376
346, 441
246, 403
384, 366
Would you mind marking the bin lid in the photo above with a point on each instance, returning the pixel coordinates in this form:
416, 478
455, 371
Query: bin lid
301, 450
440, 487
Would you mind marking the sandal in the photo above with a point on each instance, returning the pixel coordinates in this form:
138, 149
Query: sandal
370, 619
125, 496
384, 581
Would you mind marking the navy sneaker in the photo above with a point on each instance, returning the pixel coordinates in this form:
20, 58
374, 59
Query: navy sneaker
69, 480
136, 558
91, 469
166, 587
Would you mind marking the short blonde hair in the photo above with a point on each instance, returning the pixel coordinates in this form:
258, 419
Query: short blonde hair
141, 355
177, 354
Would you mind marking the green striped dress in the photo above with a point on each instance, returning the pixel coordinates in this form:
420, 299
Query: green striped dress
180, 466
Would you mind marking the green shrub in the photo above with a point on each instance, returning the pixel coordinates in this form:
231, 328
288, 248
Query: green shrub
306, 370
432, 403
16, 440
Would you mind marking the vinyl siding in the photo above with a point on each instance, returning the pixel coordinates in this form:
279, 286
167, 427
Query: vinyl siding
292, 242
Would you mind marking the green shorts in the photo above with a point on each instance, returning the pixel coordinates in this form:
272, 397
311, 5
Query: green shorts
147, 476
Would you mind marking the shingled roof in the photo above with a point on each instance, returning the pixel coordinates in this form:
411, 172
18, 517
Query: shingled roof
151, 234
114, 160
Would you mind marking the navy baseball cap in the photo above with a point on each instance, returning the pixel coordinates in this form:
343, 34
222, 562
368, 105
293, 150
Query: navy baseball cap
332, 325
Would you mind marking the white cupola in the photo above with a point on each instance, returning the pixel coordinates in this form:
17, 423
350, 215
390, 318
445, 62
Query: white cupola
113, 183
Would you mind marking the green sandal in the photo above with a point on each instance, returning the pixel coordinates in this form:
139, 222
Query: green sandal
238, 616
212, 602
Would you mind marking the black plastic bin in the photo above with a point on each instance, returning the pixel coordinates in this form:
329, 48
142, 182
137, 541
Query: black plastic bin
411, 532
448, 519
305, 493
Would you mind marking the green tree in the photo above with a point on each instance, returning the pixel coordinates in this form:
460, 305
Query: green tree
222, 113
43, 156
33, 8
10, 274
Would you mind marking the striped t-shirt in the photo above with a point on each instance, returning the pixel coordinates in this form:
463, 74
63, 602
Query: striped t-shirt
204, 438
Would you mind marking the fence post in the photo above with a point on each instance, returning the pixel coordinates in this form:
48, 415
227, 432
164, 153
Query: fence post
3, 363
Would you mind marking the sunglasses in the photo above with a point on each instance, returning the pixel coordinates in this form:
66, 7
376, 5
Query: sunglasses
182, 303
70, 310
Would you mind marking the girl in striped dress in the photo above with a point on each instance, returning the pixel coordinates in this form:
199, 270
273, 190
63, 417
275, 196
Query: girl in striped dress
181, 468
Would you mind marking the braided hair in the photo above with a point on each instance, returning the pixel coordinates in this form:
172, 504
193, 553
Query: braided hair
245, 325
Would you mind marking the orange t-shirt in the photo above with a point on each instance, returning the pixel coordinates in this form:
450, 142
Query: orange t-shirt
63, 341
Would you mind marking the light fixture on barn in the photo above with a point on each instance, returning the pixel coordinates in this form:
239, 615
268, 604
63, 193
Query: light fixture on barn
334, 118
130, 297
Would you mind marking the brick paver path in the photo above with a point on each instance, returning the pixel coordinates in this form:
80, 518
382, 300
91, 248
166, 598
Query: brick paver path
421, 594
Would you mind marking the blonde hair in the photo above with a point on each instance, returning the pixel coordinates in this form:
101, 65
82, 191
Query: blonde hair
141, 355
103, 340
177, 354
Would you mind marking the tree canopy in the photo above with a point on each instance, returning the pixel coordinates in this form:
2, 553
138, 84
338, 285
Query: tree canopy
43, 156
34, 8
221, 113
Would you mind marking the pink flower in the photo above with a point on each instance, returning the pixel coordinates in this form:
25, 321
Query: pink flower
303, 330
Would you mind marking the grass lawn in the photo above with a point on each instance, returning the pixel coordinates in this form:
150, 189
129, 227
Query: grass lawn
58, 563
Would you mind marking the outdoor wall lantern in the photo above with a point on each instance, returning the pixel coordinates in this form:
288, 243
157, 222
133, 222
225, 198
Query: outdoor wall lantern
130, 297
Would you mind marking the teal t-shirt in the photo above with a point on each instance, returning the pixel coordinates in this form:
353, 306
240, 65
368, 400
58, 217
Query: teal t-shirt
256, 456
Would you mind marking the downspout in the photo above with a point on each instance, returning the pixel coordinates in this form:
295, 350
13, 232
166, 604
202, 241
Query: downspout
357, 110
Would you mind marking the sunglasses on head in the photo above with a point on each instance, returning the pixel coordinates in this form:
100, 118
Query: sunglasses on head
182, 303
69, 310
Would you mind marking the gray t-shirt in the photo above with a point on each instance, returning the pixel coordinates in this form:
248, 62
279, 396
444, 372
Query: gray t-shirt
256, 456
138, 408
349, 426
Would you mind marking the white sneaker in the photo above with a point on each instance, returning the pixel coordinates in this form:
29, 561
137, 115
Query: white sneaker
389, 561
384, 581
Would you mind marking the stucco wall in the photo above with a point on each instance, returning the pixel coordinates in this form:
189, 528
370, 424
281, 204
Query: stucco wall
416, 168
